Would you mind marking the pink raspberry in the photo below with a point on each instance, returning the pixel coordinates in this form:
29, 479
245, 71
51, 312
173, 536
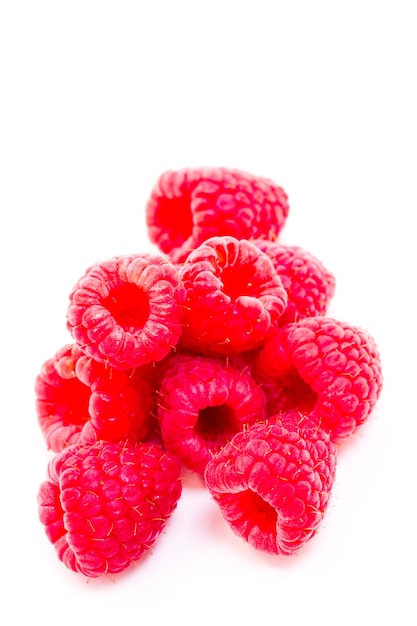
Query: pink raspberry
203, 402
234, 297
325, 367
79, 399
188, 206
104, 505
309, 285
126, 311
273, 483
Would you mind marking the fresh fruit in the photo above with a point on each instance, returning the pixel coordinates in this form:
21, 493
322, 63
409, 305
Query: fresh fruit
273, 482
104, 505
126, 311
188, 206
328, 368
234, 297
202, 403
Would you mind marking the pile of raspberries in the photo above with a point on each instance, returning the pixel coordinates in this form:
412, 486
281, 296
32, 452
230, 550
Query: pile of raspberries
213, 355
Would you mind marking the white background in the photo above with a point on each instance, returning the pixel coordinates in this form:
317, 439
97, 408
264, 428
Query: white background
99, 98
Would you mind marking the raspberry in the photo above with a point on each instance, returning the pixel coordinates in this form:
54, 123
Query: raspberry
215, 355
234, 297
309, 285
126, 311
104, 505
329, 368
273, 483
203, 402
79, 399
188, 206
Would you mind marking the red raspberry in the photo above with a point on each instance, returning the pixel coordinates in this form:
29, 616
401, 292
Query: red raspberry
330, 368
126, 311
234, 297
188, 206
273, 483
309, 285
79, 399
104, 505
203, 402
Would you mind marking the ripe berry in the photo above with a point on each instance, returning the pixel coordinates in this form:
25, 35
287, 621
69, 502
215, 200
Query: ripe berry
308, 283
202, 403
273, 482
188, 206
325, 367
234, 297
126, 311
104, 505
79, 399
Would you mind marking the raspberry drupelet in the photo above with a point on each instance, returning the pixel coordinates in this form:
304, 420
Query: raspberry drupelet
202, 403
188, 206
126, 311
234, 297
104, 505
273, 482
327, 368
80, 399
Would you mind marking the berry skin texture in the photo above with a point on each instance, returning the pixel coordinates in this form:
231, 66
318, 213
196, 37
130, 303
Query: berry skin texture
126, 311
325, 367
202, 403
81, 400
308, 283
273, 483
188, 206
104, 505
234, 297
